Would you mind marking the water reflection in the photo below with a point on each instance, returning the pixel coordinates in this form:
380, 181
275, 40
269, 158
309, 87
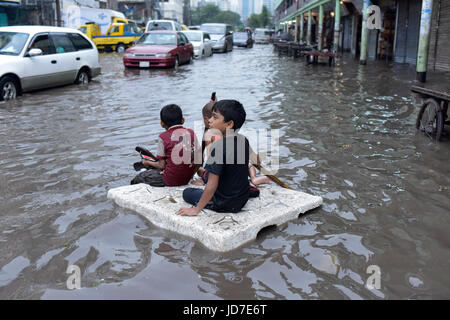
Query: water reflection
346, 133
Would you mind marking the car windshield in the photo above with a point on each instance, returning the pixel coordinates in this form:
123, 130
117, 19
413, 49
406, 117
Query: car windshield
158, 38
262, 32
83, 29
211, 29
160, 25
11, 43
134, 27
240, 35
193, 36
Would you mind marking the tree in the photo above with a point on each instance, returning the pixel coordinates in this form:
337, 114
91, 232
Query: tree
265, 17
229, 17
186, 12
208, 13
254, 21
211, 13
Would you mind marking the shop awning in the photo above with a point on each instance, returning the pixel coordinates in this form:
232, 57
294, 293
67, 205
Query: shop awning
10, 3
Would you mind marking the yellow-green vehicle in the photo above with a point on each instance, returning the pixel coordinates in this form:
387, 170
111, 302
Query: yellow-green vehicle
121, 34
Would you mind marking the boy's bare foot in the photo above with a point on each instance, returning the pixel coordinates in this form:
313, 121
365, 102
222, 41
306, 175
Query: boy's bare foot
198, 183
261, 180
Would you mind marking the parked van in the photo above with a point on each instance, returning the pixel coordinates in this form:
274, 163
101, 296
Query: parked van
261, 35
163, 25
221, 35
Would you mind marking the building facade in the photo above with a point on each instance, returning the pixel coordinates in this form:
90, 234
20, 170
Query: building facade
410, 31
173, 10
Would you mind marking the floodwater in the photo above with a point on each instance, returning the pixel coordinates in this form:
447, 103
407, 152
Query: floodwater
346, 133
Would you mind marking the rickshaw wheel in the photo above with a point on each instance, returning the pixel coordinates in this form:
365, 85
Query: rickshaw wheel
430, 119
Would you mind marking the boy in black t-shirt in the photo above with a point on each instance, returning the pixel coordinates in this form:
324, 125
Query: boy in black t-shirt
227, 189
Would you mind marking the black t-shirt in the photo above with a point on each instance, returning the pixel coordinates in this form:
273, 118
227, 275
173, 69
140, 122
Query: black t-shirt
229, 160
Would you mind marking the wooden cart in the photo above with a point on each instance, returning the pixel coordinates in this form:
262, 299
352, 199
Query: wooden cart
316, 54
433, 111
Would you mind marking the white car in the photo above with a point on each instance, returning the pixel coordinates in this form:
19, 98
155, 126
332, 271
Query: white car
35, 57
201, 41
163, 25
261, 35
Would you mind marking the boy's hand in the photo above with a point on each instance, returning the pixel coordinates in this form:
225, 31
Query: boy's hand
188, 211
146, 163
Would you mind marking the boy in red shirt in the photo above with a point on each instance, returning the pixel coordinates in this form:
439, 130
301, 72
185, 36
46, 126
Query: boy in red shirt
177, 148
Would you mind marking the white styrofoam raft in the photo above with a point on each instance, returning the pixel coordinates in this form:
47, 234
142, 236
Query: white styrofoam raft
216, 231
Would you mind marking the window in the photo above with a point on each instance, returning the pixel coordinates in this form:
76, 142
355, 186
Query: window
184, 38
193, 36
12, 43
79, 42
213, 29
179, 38
115, 29
134, 27
206, 36
44, 43
160, 25
127, 28
62, 43
158, 38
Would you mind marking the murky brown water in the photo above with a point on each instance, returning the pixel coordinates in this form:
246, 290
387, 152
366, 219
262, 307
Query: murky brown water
347, 134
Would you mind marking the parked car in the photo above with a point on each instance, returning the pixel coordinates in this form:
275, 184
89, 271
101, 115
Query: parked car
261, 35
163, 25
160, 49
201, 42
35, 57
221, 35
194, 27
242, 39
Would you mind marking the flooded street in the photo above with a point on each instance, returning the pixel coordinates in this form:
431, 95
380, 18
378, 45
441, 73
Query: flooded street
347, 134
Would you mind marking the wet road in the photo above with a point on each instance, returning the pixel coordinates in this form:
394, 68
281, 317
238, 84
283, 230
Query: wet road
346, 133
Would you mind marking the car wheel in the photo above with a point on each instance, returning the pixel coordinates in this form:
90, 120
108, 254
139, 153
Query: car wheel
176, 63
82, 77
8, 88
121, 48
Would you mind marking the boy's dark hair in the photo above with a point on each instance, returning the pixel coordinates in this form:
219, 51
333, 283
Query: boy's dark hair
171, 115
231, 110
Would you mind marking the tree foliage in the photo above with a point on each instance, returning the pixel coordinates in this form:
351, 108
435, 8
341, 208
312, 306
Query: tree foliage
262, 20
212, 14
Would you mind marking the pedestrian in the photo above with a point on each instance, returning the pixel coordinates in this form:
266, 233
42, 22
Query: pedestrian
177, 151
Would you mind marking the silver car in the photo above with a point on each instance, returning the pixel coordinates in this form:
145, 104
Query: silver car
261, 35
221, 36
35, 57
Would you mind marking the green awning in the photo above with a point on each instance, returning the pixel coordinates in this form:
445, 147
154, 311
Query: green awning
306, 8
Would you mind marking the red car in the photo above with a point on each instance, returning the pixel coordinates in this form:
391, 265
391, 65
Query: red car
159, 48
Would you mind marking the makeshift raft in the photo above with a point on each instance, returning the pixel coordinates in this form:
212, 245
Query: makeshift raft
216, 231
